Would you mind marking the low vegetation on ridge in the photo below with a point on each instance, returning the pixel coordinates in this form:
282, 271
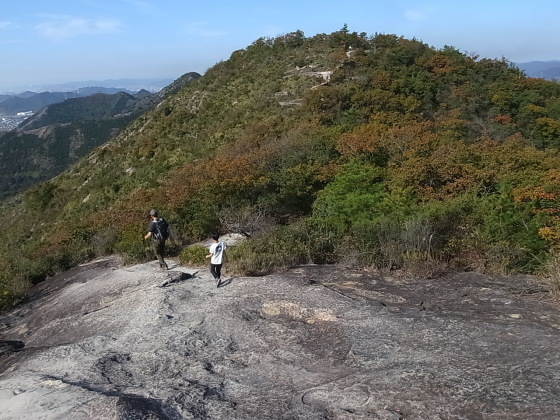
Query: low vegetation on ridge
369, 150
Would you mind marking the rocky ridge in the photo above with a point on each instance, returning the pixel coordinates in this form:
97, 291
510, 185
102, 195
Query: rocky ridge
108, 341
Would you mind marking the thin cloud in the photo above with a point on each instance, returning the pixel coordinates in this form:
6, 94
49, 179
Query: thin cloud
62, 27
143, 6
414, 15
4, 24
202, 29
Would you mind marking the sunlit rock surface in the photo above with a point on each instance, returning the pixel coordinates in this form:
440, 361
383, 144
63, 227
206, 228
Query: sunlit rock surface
105, 341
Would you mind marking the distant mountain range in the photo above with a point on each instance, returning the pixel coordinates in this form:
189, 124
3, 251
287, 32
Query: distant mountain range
33, 101
65, 126
12, 103
133, 85
549, 70
151, 85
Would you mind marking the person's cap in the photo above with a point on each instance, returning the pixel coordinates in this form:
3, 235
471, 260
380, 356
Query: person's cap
153, 212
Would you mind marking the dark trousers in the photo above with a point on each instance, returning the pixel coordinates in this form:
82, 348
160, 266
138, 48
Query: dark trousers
216, 271
159, 250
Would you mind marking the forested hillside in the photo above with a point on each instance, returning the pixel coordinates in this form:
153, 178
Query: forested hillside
369, 150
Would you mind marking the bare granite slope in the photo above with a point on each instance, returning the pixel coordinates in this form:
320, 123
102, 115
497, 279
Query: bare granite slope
105, 341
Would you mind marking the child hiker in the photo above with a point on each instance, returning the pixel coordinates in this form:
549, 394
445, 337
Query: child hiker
216, 255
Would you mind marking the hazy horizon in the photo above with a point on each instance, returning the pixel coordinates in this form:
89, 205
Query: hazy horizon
124, 83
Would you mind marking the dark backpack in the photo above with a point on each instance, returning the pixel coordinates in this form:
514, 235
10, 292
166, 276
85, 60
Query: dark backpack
162, 230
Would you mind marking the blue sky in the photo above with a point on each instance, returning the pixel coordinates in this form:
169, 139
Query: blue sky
58, 41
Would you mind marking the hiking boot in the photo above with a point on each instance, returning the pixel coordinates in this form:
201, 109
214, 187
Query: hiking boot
218, 282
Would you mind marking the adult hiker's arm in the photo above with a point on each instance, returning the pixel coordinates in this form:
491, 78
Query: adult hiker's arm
150, 230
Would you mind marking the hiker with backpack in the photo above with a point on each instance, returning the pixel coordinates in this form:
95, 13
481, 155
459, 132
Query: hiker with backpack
158, 231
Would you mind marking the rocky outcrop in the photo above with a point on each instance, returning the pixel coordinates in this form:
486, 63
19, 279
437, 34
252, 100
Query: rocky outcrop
105, 341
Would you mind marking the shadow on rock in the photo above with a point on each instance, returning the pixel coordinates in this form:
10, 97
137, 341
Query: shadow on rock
226, 282
132, 407
10, 346
177, 278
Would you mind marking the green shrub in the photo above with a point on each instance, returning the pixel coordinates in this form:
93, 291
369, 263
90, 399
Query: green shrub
103, 241
37, 199
18, 275
550, 272
12, 289
283, 247
194, 255
322, 249
377, 243
416, 238
511, 231
78, 248
132, 246
353, 198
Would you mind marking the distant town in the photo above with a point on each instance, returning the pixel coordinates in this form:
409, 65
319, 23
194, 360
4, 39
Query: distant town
9, 122
10, 117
